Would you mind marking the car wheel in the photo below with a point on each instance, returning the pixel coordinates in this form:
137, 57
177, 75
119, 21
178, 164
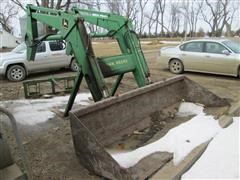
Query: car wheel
176, 66
16, 73
74, 65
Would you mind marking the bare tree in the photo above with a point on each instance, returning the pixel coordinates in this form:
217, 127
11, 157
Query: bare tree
57, 4
142, 5
175, 15
233, 9
115, 6
162, 6
130, 8
131, 11
18, 3
126, 8
159, 7
151, 20
157, 17
157, 14
7, 13
191, 13
218, 17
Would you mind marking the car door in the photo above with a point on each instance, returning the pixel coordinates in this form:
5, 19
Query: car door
216, 60
58, 54
41, 58
191, 55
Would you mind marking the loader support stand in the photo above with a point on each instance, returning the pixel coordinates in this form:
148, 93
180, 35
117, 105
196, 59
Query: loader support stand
74, 93
116, 84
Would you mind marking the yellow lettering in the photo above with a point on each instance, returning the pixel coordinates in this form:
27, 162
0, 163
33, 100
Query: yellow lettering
119, 62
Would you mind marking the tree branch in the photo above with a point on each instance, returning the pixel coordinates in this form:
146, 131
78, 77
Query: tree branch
19, 4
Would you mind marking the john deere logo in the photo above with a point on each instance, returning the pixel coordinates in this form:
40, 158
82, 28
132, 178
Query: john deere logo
65, 23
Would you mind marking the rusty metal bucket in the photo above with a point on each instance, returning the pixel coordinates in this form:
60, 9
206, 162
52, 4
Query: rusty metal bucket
105, 122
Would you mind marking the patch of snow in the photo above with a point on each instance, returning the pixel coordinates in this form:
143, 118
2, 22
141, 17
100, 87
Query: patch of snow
221, 158
188, 108
170, 42
146, 42
31, 112
96, 43
180, 140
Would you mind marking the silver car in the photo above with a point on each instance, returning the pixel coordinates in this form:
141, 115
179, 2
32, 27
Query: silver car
217, 56
50, 55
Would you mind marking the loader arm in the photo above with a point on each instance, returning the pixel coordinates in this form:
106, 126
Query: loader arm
70, 25
72, 30
120, 28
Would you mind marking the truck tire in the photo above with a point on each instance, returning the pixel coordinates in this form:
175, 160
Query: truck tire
74, 65
16, 73
176, 66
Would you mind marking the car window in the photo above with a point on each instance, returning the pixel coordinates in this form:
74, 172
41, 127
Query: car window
41, 47
56, 46
212, 47
193, 47
233, 45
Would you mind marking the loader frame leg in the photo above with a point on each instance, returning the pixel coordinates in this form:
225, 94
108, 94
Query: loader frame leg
116, 84
74, 93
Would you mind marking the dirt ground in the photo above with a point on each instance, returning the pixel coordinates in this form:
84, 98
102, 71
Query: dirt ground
49, 145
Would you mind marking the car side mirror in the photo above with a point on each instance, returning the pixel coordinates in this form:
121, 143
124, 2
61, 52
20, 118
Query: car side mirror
226, 52
62, 44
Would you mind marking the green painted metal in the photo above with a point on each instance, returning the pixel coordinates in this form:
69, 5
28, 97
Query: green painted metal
74, 93
72, 29
39, 87
120, 28
32, 28
117, 65
116, 84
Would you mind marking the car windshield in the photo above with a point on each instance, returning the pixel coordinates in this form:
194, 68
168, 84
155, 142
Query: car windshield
21, 48
233, 45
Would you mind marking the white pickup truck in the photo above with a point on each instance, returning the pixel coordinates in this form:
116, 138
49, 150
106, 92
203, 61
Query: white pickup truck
50, 55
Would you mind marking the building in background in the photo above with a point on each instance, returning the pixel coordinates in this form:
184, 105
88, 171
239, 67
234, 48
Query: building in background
23, 26
8, 40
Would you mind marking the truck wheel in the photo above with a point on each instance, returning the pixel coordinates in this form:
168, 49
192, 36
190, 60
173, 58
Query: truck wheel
176, 66
16, 73
74, 65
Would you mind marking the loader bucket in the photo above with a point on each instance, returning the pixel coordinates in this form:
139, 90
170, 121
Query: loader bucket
106, 122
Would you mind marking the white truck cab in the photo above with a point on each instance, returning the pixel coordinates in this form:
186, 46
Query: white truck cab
50, 55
